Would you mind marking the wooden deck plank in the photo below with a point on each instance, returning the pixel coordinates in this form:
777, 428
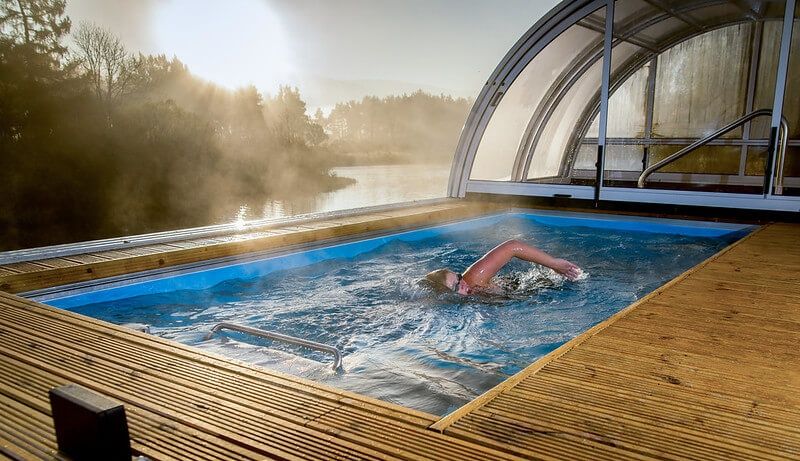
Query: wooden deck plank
704, 368
88, 258
26, 267
57, 263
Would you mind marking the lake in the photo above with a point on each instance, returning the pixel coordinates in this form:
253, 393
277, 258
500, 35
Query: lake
374, 185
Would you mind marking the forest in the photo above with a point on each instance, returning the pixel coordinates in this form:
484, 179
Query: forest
97, 141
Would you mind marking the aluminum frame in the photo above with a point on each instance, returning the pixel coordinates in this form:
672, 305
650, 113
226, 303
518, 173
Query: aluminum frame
563, 16
655, 196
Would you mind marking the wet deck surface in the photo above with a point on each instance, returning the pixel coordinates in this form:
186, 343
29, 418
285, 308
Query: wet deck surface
705, 368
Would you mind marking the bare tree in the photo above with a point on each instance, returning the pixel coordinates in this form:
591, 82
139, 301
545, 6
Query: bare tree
111, 69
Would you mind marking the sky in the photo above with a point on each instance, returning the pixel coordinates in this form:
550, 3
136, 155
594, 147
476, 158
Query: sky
333, 50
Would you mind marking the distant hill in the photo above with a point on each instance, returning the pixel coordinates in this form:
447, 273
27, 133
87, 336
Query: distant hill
325, 93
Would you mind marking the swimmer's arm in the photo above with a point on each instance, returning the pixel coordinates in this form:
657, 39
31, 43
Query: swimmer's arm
480, 273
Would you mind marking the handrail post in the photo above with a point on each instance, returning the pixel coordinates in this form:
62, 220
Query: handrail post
337, 354
783, 134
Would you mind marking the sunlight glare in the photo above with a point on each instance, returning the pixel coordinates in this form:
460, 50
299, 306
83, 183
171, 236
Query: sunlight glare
234, 43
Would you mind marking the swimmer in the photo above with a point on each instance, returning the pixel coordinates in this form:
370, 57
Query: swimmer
478, 277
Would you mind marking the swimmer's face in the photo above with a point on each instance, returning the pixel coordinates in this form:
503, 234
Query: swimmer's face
457, 284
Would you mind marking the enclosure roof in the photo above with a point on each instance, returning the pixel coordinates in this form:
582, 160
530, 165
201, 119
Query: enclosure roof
642, 29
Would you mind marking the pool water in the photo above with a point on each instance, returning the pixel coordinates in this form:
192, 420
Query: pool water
405, 344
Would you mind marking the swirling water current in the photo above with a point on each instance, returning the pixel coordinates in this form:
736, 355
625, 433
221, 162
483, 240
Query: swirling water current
402, 342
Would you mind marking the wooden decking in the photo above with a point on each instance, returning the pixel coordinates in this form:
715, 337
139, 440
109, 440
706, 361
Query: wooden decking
707, 367
183, 404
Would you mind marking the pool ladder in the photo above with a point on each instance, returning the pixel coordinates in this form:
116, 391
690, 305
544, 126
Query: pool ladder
337, 355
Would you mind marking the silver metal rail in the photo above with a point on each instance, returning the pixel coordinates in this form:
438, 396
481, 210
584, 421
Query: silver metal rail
217, 230
337, 355
783, 138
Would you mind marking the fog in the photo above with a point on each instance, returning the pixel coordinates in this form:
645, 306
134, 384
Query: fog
100, 141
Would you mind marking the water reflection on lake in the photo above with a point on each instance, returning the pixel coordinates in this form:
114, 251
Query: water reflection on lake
375, 185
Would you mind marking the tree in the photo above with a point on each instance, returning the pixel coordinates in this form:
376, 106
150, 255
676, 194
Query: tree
110, 68
286, 114
38, 24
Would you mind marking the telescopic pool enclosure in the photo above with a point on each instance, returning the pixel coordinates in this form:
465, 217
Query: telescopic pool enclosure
693, 102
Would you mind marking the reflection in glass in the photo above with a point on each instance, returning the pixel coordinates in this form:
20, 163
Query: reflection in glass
704, 160
701, 84
626, 108
765, 83
549, 152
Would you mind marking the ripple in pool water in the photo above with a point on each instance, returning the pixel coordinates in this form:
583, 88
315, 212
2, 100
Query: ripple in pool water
404, 344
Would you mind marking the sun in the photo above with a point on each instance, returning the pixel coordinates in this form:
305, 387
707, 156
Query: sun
234, 43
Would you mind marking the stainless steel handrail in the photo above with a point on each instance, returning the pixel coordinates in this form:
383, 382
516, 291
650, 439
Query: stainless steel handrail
784, 139
337, 355
784, 131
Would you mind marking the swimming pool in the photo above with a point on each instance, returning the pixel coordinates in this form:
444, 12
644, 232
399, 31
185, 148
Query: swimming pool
401, 342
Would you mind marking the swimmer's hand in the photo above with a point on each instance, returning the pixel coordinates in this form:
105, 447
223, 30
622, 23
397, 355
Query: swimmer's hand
567, 269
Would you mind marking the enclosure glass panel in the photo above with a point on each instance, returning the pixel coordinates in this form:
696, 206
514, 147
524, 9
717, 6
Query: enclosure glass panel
626, 126
554, 137
627, 11
625, 157
756, 158
661, 31
499, 144
791, 102
704, 160
549, 152
626, 109
714, 13
620, 157
765, 80
701, 84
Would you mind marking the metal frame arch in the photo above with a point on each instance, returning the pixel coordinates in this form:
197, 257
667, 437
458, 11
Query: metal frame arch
550, 26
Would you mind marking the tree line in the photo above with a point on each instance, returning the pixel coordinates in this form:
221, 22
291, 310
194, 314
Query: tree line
96, 141
419, 127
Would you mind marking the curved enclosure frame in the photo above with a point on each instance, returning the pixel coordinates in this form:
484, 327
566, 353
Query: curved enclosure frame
598, 91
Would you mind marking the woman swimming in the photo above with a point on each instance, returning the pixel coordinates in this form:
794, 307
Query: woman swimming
478, 277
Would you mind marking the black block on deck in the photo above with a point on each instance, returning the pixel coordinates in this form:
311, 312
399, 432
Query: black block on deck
89, 426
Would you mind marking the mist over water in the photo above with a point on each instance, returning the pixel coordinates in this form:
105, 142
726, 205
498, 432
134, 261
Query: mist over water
371, 185
401, 342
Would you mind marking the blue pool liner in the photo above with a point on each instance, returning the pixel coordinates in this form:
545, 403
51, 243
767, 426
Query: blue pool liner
204, 278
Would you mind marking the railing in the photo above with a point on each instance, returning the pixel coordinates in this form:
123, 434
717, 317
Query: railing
783, 138
337, 355
122, 243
